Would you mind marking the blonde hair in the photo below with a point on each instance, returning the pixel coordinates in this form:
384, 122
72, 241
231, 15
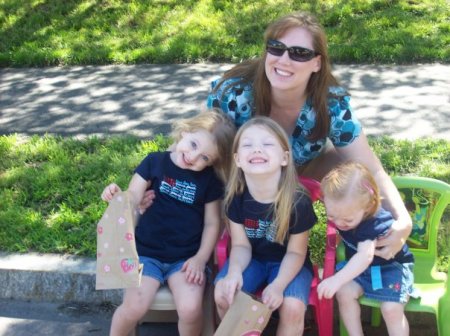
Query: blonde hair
288, 186
318, 84
221, 128
355, 180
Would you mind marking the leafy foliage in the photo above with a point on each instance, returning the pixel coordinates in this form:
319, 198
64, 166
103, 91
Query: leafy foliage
77, 32
50, 186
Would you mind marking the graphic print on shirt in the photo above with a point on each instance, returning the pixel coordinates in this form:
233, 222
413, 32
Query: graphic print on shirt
180, 190
258, 228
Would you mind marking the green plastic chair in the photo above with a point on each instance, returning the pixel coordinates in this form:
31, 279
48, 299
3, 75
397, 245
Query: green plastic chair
426, 200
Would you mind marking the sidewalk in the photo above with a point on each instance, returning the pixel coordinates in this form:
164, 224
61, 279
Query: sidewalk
400, 101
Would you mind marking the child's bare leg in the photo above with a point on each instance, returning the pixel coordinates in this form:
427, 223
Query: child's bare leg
134, 306
189, 300
222, 305
292, 317
349, 307
394, 316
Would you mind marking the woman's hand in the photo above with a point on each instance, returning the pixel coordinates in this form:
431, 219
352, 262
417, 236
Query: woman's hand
146, 201
109, 192
390, 244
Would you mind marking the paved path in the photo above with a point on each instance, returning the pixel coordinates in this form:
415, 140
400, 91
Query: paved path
400, 101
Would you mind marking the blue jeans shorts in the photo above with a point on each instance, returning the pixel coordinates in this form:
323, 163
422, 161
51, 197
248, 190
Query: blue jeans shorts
158, 270
259, 273
397, 283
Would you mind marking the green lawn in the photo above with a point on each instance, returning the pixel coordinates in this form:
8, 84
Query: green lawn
50, 186
74, 32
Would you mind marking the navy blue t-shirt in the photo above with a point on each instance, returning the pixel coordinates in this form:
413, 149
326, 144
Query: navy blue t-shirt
171, 228
371, 229
257, 220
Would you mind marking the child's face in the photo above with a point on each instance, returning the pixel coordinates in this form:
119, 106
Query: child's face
346, 213
195, 150
260, 152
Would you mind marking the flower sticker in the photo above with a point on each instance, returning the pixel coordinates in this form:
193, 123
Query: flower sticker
121, 220
129, 236
100, 229
254, 307
107, 268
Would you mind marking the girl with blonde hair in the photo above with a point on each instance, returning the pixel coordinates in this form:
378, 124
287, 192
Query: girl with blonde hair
352, 201
269, 218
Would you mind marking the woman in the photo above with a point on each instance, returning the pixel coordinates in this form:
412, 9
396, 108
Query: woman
296, 89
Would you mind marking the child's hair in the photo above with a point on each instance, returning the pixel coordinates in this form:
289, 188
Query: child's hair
288, 186
354, 180
221, 128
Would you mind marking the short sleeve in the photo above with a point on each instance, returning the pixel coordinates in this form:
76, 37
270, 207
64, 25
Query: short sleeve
344, 126
233, 212
304, 217
215, 189
233, 97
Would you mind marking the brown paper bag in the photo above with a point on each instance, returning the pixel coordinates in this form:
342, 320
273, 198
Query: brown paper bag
117, 259
246, 317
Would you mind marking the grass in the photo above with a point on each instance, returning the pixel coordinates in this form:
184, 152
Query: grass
89, 32
50, 186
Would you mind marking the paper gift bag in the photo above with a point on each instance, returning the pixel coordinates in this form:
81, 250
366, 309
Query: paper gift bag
246, 317
117, 259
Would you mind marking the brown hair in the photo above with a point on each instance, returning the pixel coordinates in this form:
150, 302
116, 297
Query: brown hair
318, 84
222, 129
288, 186
353, 179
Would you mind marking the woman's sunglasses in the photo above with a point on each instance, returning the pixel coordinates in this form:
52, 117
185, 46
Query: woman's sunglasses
298, 54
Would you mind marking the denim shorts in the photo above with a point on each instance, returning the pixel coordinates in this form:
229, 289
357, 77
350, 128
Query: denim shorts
259, 273
397, 283
158, 270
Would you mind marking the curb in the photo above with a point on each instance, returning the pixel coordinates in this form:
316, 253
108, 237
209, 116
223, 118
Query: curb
52, 278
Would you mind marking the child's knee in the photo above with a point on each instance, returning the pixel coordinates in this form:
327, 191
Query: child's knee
349, 292
292, 310
189, 311
392, 310
134, 311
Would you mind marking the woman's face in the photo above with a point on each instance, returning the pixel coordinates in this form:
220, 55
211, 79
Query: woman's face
286, 74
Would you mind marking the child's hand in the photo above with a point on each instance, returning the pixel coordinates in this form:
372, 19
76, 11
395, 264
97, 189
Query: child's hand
327, 288
109, 192
195, 270
272, 296
229, 286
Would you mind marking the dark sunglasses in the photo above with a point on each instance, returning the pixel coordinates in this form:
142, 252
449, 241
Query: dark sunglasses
298, 54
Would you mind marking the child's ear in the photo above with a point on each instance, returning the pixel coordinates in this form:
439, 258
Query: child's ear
236, 160
285, 160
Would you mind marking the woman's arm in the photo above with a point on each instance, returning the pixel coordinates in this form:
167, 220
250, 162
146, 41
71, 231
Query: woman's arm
291, 264
195, 266
357, 264
360, 151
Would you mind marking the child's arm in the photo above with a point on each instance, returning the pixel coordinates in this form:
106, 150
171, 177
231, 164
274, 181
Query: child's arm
195, 266
291, 264
354, 267
136, 188
240, 256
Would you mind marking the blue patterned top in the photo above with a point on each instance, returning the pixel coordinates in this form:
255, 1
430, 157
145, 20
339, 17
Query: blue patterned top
237, 101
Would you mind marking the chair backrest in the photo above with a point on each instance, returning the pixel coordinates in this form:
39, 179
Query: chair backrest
426, 200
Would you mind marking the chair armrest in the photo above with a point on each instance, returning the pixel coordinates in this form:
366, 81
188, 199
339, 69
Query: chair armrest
312, 186
330, 251
222, 248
